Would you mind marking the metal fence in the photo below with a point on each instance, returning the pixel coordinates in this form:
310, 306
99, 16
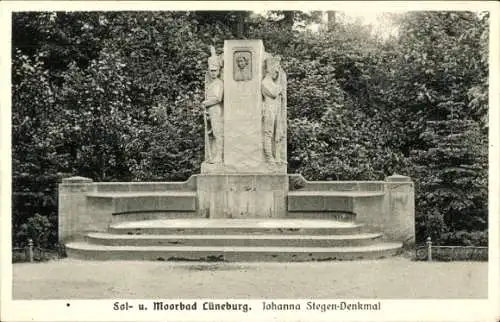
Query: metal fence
31, 253
450, 253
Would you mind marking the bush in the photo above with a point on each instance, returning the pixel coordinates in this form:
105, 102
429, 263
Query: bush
38, 228
465, 238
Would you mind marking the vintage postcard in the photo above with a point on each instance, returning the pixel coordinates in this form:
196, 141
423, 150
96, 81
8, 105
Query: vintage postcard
249, 161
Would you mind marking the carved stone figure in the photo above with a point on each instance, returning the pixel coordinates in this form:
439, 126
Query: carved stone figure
214, 91
242, 70
274, 110
281, 125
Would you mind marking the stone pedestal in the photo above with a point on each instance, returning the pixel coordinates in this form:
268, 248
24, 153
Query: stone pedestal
242, 195
400, 212
243, 149
73, 206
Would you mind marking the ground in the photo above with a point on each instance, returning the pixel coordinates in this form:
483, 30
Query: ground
385, 279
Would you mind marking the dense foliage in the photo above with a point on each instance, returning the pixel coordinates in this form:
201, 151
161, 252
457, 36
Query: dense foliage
441, 91
116, 96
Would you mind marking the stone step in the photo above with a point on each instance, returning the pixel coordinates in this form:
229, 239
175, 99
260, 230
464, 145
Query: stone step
81, 250
233, 240
236, 227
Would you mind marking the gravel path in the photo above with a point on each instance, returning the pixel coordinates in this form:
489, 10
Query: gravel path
385, 279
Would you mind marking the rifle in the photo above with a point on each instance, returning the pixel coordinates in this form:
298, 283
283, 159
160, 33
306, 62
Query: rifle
206, 119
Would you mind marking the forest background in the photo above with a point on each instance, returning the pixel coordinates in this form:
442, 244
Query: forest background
115, 96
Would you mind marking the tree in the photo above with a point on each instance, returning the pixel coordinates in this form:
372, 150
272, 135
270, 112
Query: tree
233, 21
34, 156
59, 38
439, 100
452, 185
331, 19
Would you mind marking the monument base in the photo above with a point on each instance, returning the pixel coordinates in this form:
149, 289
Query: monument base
242, 195
262, 168
212, 167
236, 217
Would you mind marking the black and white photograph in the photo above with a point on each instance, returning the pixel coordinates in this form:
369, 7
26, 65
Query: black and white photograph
239, 161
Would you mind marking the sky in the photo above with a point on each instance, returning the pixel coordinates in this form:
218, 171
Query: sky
378, 19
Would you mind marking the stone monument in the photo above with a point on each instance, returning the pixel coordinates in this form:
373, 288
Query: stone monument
244, 176
246, 106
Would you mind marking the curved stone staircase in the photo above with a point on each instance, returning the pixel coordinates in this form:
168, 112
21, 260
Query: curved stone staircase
233, 240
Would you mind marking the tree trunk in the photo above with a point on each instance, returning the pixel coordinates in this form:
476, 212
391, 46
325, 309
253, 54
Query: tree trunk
240, 26
331, 20
289, 19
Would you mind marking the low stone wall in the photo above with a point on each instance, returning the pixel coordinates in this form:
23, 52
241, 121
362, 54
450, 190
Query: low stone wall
387, 206
298, 182
87, 206
398, 215
188, 185
329, 201
73, 214
154, 201
153, 215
